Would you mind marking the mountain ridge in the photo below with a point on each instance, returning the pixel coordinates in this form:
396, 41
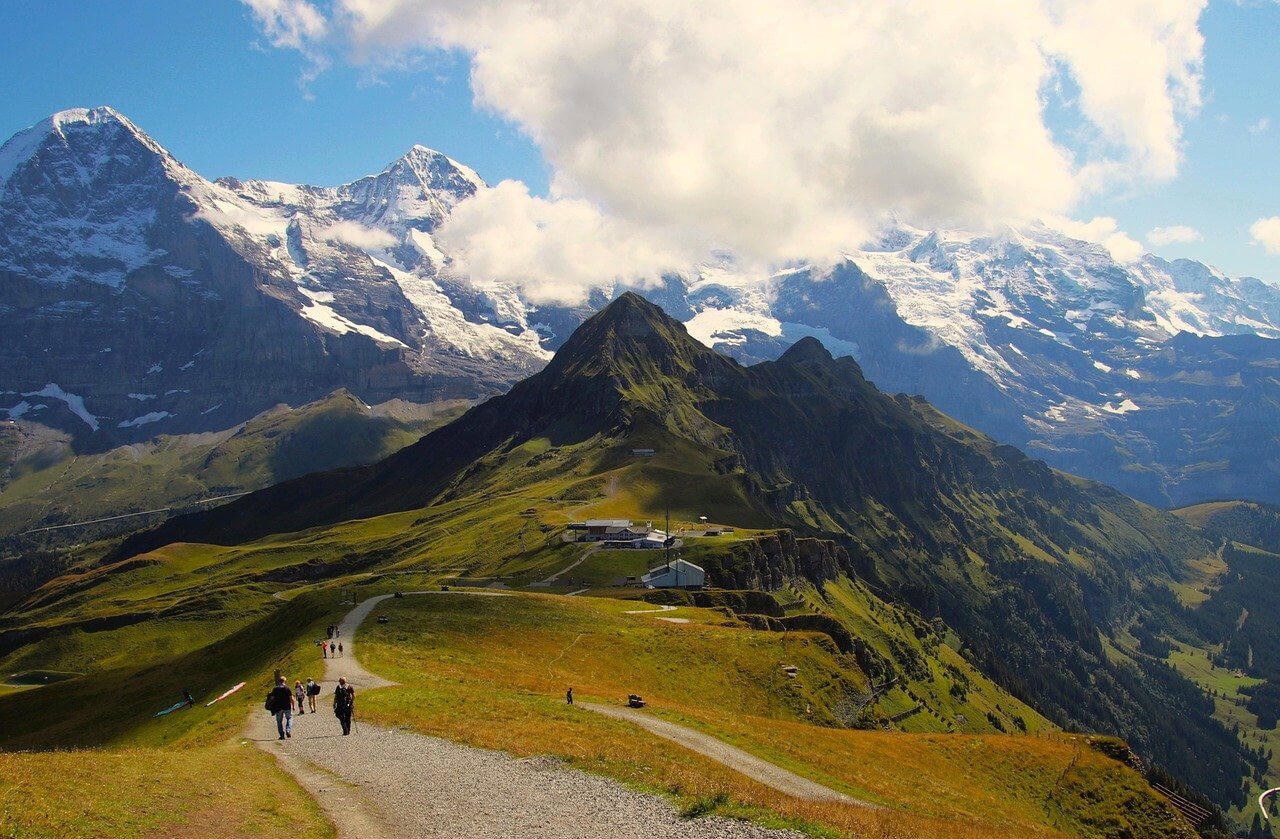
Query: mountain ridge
1031, 568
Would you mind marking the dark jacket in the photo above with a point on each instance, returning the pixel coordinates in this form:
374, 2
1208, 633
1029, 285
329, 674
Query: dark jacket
280, 699
344, 699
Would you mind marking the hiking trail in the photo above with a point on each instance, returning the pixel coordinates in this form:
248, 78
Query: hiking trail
382, 782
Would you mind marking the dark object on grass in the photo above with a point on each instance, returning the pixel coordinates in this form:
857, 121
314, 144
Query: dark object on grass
399, 594
634, 701
382, 618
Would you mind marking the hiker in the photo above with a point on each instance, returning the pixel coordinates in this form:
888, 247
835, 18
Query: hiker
324, 650
300, 695
190, 700
568, 696
344, 704
340, 650
280, 703
313, 690
333, 650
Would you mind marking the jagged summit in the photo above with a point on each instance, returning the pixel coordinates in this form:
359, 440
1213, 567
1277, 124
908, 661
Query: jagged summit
101, 126
807, 348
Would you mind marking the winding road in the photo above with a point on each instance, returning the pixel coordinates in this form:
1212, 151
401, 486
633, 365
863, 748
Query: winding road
391, 783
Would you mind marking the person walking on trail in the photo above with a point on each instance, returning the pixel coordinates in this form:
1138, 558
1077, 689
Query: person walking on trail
344, 704
313, 690
280, 703
324, 650
333, 650
300, 695
568, 696
340, 653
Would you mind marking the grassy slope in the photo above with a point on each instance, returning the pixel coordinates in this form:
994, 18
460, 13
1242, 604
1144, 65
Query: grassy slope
52, 484
475, 531
229, 791
492, 673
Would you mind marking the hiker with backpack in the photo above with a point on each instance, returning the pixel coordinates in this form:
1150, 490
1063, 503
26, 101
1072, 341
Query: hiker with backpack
313, 690
280, 703
333, 650
344, 704
339, 649
300, 695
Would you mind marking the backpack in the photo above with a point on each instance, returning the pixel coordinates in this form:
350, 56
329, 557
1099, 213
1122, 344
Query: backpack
314, 689
270, 704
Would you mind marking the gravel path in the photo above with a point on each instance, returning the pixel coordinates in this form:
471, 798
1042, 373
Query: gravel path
771, 775
387, 783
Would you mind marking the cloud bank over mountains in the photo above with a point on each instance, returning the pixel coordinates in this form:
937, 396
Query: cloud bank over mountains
781, 132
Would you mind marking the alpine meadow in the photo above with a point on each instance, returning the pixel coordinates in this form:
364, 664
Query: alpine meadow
777, 426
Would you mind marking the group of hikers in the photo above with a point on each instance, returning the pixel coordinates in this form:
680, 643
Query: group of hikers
330, 649
282, 702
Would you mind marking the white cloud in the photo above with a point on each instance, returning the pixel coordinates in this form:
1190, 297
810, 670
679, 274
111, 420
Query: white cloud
289, 24
296, 25
1102, 230
357, 235
1176, 234
1261, 126
788, 130
556, 251
1266, 232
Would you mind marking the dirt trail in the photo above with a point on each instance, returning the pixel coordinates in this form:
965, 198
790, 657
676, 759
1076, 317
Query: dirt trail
389, 783
771, 775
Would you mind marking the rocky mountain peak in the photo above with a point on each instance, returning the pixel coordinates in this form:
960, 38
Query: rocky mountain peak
76, 144
807, 348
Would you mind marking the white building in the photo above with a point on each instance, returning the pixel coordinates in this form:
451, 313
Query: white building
679, 574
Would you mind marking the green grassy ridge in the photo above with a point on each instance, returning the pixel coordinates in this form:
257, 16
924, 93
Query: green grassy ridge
55, 484
115, 707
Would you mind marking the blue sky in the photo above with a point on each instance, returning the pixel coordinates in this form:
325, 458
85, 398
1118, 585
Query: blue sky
199, 78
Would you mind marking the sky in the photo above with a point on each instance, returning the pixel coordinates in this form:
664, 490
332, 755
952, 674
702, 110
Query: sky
640, 133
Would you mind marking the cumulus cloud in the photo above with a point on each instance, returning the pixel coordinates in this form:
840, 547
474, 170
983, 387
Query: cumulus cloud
1266, 232
1260, 126
296, 25
357, 235
556, 251
1176, 234
290, 24
1102, 230
782, 131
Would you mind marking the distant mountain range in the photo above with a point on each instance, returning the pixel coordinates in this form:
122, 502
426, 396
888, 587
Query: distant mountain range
141, 298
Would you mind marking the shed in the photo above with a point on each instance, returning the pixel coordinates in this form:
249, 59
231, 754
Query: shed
679, 574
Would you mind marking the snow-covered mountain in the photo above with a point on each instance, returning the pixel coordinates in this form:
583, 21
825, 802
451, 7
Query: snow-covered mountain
140, 298
1157, 377
135, 293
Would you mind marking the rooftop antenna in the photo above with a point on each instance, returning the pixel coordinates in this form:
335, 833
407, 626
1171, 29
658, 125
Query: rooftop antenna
666, 542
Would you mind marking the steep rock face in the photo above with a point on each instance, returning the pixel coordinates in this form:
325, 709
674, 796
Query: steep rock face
141, 299
767, 563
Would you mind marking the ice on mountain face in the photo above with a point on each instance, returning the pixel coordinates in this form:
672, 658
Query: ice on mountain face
19, 410
74, 402
714, 326
321, 313
145, 419
1125, 406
